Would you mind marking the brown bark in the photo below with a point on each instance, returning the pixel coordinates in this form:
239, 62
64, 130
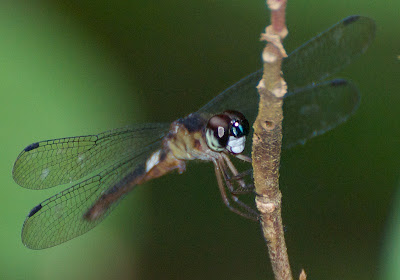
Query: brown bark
267, 140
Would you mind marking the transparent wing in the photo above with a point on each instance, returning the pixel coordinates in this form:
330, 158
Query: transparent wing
53, 162
312, 111
329, 52
242, 97
317, 59
61, 217
315, 110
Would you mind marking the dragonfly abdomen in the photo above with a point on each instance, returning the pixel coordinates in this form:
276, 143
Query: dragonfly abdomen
157, 165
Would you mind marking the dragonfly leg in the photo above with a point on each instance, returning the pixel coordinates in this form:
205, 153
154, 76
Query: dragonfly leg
232, 202
238, 177
243, 157
248, 188
242, 175
234, 171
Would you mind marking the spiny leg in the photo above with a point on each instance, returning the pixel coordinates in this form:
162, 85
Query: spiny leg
221, 187
238, 177
243, 174
238, 207
243, 157
234, 171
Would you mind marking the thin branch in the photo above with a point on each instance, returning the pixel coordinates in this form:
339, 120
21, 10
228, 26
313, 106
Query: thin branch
267, 140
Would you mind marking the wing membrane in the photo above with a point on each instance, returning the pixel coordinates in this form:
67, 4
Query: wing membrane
61, 217
315, 110
317, 59
329, 52
53, 162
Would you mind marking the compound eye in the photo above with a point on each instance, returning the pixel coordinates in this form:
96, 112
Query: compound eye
217, 132
239, 128
239, 125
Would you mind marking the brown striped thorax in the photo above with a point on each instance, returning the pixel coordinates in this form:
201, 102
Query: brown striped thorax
199, 137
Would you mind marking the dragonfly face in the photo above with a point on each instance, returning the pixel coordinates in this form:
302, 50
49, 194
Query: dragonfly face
103, 168
227, 131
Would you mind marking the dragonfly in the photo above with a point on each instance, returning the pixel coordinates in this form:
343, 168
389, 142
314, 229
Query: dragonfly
102, 169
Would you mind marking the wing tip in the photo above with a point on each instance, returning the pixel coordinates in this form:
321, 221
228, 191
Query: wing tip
351, 19
370, 22
338, 82
35, 209
17, 164
31, 147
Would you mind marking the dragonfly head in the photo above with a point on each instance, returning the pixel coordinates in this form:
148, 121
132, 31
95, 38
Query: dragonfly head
227, 131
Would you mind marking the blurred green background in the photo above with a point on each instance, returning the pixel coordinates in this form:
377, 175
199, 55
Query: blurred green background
81, 67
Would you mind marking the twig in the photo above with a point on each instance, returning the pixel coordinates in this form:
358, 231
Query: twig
267, 140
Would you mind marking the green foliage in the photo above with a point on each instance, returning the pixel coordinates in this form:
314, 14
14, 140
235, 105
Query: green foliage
74, 68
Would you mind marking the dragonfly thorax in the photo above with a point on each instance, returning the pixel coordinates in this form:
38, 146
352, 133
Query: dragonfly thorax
199, 137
